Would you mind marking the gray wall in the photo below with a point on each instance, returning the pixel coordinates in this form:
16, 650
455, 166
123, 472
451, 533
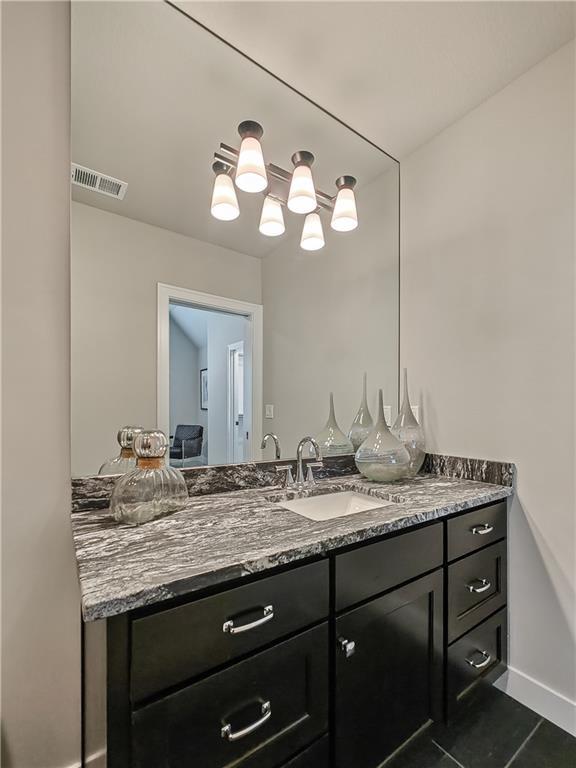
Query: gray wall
329, 316
488, 337
116, 265
184, 379
40, 602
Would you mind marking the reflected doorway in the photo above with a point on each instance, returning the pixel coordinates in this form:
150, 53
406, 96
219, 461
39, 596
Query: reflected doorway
209, 377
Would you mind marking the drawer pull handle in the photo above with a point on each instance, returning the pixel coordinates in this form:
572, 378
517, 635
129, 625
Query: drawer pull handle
229, 627
486, 659
478, 586
482, 530
228, 734
348, 647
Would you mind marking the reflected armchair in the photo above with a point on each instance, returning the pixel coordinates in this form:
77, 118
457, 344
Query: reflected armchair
187, 442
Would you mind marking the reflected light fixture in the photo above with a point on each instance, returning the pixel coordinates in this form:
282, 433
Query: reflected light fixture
224, 201
302, 195
272, 218
344, 215
312, 234
251, 171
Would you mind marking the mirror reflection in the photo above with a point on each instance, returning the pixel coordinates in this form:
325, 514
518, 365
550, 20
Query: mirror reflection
234, 250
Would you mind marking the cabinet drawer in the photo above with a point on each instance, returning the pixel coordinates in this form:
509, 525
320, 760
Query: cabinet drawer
476, 588
481, 655
255, 714
375, 568
316, 756
173, 646
476, 529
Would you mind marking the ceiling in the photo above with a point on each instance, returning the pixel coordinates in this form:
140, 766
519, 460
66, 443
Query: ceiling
192, 322
398, 72
154, 94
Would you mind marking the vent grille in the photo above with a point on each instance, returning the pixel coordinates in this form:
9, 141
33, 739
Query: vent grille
98, 182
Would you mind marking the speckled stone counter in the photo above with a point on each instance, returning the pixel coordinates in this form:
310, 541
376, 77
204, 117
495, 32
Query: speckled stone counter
226, 536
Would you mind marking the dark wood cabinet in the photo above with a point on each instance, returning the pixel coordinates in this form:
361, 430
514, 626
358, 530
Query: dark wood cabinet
388, 672
334, 663
255, 714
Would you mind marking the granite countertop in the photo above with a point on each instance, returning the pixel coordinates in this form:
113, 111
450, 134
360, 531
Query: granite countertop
225, 536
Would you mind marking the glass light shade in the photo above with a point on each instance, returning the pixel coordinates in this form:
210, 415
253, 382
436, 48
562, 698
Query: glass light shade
251, 171
344, 215
302, 195
224, 201
312, 234
272, 218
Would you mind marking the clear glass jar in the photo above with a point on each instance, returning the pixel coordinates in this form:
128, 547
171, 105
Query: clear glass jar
126, 459
332, 441
382, 457
151, 490
409, 432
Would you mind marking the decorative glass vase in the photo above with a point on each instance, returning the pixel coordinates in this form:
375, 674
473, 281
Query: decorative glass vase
409, 432
332, 441
362, 424
151, 490
382, 457
126, 459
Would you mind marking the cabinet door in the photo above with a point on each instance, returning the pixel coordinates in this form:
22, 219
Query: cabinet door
388, 672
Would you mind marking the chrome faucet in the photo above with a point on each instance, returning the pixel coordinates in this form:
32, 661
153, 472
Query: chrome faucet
300, 482
272, 436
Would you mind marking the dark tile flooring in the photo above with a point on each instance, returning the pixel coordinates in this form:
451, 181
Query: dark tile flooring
492, 730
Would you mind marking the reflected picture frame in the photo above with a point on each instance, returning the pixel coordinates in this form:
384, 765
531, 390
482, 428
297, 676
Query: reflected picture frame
204, 389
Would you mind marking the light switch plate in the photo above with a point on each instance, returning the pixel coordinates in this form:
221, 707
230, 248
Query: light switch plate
269, 411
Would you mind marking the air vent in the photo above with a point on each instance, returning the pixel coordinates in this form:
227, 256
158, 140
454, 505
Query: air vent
97, 182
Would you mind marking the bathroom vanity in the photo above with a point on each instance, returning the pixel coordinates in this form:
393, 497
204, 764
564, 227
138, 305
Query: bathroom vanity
241, 633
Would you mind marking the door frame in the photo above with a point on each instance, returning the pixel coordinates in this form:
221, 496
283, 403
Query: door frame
234, 347
254, 312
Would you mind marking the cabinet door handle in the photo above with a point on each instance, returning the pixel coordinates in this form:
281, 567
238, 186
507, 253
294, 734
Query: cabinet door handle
486, 659
230, 735
231, 629
482, 530
478, 586
348, 647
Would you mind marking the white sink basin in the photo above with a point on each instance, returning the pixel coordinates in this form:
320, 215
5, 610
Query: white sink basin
332, 505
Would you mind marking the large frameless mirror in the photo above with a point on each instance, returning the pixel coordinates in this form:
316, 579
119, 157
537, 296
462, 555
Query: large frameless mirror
215, 313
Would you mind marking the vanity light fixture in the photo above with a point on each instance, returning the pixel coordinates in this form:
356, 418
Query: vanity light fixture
312, 234
302, 195
272, 218
251, 171
345, 215
224, 201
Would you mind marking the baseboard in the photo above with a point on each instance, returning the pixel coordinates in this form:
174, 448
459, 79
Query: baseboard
550, 704
95, 760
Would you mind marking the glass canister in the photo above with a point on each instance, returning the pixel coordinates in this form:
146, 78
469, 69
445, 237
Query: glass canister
151, 490
409, 432
382, 457
126, 459
332, 441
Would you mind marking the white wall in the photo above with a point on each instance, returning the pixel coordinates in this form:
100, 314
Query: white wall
487, 317
116, 265
329, 316
40, 601
184, 379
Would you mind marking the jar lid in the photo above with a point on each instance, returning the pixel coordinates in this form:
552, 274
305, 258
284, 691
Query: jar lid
126, 436
151, 444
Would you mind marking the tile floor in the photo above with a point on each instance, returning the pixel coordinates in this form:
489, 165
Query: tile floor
491, 731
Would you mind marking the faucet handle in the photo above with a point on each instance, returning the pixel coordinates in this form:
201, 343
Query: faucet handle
289, 479
310, 479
